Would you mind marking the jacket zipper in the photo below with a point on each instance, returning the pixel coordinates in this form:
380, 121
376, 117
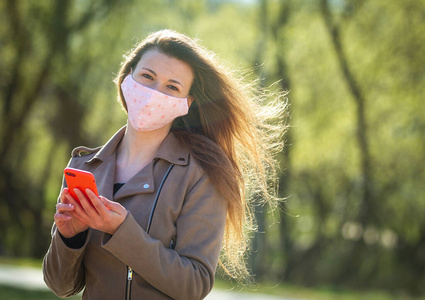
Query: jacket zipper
129, 280
130, 270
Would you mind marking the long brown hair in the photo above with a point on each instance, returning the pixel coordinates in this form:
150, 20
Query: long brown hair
231, 129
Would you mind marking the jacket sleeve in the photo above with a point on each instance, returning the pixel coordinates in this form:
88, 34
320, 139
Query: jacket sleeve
187, 272
63, 268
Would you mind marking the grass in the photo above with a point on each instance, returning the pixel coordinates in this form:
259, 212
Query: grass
317, 293
13, 293
24, 262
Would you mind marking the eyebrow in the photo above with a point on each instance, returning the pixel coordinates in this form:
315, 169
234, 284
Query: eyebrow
170, 80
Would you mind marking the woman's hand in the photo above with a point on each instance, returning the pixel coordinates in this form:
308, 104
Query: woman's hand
103, 215
67, 224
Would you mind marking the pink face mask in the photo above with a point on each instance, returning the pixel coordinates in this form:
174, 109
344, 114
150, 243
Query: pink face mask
149, 109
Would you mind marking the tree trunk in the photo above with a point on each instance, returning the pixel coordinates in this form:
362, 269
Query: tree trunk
259, 243
366, 210
286, 243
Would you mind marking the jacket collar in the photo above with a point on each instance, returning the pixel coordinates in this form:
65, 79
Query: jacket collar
170, 149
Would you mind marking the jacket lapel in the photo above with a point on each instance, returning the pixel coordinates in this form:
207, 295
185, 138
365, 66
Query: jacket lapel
105, 175
140, 183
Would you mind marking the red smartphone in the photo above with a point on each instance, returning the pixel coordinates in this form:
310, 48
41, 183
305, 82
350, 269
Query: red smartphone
81, 180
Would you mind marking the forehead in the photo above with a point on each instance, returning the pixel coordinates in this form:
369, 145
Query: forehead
165, 66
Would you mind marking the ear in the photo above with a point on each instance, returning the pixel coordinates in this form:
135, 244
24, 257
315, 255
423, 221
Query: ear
190, 100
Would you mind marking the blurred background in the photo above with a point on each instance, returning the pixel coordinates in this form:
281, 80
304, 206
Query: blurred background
352, 170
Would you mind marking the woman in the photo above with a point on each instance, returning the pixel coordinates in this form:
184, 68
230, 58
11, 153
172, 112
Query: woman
172, 183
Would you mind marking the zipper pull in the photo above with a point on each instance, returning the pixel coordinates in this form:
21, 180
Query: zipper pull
129, 273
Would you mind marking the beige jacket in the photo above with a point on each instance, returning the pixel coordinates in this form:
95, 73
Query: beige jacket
177, 259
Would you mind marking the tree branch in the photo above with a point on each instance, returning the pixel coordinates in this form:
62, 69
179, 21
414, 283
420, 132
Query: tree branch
359, 99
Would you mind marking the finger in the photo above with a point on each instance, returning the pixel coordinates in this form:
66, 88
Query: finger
63, 198
109, 205
62, 207
88, 208
106, 203
80, 209
71, 200
98, 205
61, 217
113, 206
83, 218
68, 198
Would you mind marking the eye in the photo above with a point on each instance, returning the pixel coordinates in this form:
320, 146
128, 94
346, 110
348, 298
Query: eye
173, 88
147, 76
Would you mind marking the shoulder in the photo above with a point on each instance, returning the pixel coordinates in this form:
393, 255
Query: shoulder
84, 151
80, 156
205, 154
195, 166
207, 163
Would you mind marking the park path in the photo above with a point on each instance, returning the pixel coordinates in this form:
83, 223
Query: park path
32, 278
